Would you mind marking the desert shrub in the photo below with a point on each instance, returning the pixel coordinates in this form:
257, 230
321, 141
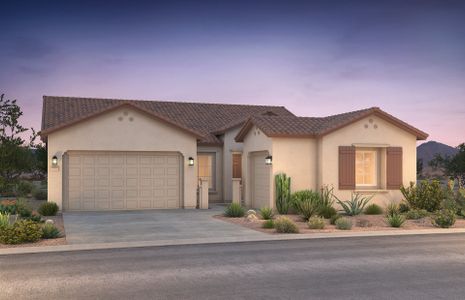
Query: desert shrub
343, 223
285, 225
4, 219
426, 195
22, 231
24, 188
403, 207
327, 196
395, 219
8, 206
266, 213
306, 203
443, 218
283, 193
363, 223
234, 210
327, 212
373, 209
268, 224
392, 209
49, 231
355, 205
316, 223
415, 214
333, 219
23, 209
35, 218
48, 209
39, 194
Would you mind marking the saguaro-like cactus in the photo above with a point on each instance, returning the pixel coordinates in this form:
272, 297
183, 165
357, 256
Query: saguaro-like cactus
283, 193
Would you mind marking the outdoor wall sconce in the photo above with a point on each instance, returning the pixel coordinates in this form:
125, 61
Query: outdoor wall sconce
268, 160
54, 161
191, 161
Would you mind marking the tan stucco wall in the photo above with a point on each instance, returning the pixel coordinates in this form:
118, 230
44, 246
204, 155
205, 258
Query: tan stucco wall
107, 132
255, 141
297, 157
217, 195
386, 134
229, 148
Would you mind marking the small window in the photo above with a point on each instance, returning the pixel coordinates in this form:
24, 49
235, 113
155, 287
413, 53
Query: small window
206, 168
366, 168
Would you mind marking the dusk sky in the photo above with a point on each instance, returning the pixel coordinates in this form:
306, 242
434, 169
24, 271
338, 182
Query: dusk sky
316, 58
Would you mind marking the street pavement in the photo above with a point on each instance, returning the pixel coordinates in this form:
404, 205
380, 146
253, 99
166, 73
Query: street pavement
390, 267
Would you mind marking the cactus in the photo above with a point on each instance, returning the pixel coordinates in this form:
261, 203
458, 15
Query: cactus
283, 193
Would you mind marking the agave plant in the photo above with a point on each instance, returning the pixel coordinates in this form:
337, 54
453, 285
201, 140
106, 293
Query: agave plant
283, 193
355, 205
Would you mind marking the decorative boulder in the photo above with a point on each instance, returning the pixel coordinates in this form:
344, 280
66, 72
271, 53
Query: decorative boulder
251, 212
251, 218
49, 221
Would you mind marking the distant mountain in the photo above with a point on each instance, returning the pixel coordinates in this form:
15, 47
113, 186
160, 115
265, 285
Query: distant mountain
427, 151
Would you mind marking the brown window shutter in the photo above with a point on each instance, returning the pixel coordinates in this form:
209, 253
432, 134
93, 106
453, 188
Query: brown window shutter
346, 167
393, 168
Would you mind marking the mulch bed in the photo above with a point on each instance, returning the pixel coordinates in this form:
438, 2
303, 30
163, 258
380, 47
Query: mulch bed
375, 222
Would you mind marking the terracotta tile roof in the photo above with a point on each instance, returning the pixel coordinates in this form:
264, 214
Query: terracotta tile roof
205, 119
293, 126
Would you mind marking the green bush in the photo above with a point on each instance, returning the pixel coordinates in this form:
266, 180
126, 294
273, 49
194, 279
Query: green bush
343, 224
395, 220
392, 209
40, 194
443, 218
426, 195
23, 209
285, 225
306, 203
50, 209
333, 219
8, 206
24, 188
327, 212
4, 219
234, 210
266, 213
283, 193
316, 223
35, 218
415, 214
23, 231
403, 207
268, 224
355, 205
49, 231
373, 209
327, 196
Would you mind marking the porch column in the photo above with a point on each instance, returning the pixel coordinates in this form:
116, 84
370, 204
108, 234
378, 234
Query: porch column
203, 194
236, 190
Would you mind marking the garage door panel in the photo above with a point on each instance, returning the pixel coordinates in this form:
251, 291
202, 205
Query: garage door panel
126, 180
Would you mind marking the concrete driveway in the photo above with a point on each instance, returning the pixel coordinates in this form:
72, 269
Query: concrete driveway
153, 225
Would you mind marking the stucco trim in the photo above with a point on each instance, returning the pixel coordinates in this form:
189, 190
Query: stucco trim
44, 133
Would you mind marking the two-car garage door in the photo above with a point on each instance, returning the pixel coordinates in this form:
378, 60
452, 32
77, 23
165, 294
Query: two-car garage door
122, 180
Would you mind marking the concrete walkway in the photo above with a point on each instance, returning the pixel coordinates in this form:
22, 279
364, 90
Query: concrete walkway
150, 226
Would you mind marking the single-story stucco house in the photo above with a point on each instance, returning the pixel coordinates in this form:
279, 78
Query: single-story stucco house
109, 154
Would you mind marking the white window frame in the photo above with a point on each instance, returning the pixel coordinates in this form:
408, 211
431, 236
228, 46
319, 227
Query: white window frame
376, 168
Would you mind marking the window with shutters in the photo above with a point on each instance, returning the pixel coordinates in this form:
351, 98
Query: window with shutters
366, 168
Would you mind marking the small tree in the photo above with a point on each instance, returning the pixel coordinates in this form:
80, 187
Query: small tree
452, 166
15, 152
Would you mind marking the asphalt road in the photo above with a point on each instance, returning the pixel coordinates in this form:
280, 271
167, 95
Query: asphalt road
408, 267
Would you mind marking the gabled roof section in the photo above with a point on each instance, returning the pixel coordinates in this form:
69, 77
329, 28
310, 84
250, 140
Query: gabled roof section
201, 119
277, 126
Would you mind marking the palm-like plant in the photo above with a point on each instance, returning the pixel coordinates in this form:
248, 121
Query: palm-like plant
355, 205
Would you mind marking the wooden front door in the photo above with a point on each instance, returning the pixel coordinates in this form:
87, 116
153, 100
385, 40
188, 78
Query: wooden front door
237, 166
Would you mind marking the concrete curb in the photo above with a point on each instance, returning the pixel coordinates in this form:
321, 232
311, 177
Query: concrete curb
205, 241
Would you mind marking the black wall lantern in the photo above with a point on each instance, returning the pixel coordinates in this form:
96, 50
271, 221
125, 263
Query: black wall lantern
54, 161
191, 161
268, 160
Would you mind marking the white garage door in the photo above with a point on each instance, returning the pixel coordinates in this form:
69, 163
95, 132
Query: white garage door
122, 180
260, 181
